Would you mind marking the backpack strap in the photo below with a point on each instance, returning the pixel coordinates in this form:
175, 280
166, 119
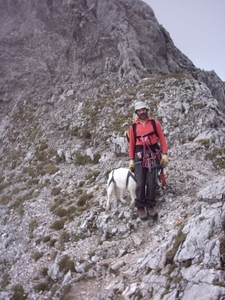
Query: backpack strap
134, 125
134, 130
154, 126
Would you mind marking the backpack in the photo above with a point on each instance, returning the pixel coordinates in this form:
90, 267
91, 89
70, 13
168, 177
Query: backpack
134, 129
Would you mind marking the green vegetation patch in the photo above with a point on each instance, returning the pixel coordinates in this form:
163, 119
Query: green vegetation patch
217, 155
81, 159
178, 240
58, 224
205, 143
4, 199
59, 209
19, 293
82, 201
66, 264
37, 255
91, 176
218, 283
222, 246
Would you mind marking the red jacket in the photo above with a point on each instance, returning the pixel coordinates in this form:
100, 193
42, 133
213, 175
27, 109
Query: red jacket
143, 129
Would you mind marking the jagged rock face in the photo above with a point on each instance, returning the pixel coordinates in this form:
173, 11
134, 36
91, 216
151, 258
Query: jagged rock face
61, 140
58, 240
48, 43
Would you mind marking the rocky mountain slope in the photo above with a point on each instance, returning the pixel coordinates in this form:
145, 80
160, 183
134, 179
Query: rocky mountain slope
46, 43
61, 134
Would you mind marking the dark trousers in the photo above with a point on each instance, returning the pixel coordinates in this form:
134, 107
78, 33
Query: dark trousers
146, 184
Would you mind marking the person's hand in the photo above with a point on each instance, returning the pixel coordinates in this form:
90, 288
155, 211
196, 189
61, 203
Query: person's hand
164, 160
131, 165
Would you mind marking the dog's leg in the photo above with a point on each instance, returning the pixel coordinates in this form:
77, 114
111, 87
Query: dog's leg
132, 191
109, 193
133, 196
116, 193
121, 196
108, 203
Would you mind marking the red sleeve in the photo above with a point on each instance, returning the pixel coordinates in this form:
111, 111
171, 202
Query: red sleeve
162, 139
131, 143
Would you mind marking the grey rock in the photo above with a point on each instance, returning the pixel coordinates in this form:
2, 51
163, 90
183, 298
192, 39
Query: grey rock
67, 277
81, 267
215, 190
70, 71
53, 271
202, 291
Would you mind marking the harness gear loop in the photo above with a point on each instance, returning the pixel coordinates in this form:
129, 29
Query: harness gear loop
149, 157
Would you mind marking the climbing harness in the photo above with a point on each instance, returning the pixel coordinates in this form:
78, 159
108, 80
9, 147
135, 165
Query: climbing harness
151, 161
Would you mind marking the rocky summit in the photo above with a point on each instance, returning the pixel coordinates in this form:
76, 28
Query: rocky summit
70, 73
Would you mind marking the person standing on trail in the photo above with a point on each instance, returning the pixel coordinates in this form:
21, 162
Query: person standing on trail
147, 157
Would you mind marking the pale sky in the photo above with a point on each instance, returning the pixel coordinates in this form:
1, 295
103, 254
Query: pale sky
197, 28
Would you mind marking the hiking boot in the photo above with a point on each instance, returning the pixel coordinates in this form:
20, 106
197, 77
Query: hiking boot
142, 214
152, 213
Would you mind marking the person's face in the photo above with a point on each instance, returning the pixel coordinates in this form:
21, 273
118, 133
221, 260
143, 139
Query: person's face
142, 113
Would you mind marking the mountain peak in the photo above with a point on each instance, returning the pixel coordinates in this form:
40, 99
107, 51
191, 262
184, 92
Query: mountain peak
46, 43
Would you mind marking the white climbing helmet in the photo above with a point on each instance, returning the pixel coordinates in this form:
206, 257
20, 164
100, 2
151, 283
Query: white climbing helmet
140, 105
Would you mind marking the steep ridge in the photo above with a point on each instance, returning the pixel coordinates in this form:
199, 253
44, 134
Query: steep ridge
45, 44
57, 240
59, 140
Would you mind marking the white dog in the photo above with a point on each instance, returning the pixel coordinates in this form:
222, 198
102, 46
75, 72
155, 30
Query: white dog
119, 180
